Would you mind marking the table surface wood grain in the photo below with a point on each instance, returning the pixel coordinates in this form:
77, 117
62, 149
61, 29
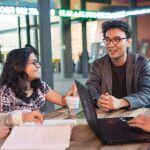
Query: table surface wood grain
83, 138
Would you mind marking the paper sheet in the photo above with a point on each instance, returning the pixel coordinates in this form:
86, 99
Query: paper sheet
40, 137
138, 112
60, 122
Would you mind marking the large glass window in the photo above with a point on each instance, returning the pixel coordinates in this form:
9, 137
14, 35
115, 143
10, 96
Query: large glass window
8, 36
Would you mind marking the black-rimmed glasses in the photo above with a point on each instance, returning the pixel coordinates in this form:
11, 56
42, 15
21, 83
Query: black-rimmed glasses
34, 62
115, 40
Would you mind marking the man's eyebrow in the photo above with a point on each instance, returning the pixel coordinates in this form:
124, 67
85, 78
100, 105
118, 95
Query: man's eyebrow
113, 37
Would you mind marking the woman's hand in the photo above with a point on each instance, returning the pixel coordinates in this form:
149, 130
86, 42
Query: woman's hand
34, 116
140, 121
57, 98
72, 91
4, 131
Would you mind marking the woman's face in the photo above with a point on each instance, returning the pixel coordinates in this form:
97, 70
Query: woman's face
32, 67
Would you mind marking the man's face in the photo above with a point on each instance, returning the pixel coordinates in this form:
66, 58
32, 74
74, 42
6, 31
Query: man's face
116, 43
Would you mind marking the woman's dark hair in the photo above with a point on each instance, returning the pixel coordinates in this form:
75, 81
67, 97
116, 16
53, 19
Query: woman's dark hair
124, 26
13, 74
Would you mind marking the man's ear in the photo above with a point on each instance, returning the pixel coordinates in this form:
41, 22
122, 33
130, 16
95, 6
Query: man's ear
129, 42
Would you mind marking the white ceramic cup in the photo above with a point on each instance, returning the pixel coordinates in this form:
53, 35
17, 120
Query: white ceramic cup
73, 103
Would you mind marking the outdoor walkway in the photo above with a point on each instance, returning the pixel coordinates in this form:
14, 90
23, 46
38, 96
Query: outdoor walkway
62, 85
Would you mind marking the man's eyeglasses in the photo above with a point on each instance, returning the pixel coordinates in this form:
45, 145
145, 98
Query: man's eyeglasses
115, 40
34, 62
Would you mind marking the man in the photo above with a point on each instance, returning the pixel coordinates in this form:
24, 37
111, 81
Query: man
120, 79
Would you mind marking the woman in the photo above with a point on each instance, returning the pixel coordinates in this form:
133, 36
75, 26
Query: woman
20, 83
8, 120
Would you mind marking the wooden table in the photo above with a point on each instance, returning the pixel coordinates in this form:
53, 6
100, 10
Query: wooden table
83, 138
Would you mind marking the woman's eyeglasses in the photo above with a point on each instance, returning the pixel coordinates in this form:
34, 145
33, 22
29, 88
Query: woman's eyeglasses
115, 40
34, 62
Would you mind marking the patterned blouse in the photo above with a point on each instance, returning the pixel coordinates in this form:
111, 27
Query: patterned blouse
9, 102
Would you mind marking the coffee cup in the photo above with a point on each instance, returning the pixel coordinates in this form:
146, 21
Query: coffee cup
73, 104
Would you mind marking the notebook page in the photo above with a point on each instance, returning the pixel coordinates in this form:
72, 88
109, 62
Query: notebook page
60, 122
38, 137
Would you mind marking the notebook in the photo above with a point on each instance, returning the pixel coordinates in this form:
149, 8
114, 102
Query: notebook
52, 134
109, 130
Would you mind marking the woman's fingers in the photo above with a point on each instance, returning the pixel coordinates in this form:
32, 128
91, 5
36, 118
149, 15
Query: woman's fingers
34, 116
72, 91
37, 117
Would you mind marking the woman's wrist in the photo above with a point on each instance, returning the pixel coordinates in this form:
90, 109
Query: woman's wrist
64, 100
8, 120
17, 117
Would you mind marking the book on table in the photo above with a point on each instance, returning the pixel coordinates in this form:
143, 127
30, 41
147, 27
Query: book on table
52, 134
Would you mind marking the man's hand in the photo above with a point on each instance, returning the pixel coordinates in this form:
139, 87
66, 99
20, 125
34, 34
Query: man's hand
108, 102
140, 121
34, 116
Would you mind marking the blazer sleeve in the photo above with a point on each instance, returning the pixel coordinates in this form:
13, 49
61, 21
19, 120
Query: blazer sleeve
141, 96
94, 81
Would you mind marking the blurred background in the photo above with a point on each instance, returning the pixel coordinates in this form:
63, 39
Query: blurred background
67, 33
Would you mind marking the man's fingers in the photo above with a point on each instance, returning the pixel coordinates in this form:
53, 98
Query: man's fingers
107, 110
105, 97
107, 94
136, 120
103, 101
109, 104
105, 106
136, 125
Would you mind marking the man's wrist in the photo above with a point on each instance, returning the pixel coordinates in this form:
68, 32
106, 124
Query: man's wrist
124, 103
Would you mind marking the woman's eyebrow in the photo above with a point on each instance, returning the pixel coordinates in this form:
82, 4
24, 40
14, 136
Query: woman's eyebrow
32, 59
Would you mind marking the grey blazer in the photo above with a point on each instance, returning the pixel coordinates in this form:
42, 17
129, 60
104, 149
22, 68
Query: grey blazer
137, 79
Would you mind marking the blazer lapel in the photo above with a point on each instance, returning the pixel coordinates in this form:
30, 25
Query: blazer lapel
107, 74
129, 71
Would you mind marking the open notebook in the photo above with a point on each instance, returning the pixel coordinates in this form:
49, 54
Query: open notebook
51, 135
